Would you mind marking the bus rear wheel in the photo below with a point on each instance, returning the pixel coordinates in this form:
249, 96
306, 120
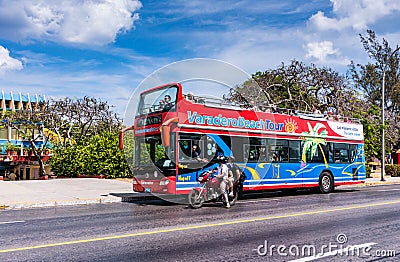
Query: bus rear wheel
325, 183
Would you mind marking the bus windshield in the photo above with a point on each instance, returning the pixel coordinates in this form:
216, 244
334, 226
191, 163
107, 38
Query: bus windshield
159, 100
150, 152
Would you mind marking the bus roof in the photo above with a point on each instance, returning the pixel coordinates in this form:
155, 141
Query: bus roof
209, 114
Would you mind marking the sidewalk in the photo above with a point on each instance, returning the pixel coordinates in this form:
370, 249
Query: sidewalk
78, 191
59, 192
376, 179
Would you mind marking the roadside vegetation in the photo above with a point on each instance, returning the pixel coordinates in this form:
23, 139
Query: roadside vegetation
81, 134
85, 138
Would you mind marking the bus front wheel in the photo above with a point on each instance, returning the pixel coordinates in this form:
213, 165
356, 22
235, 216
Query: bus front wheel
325, 183
196, 199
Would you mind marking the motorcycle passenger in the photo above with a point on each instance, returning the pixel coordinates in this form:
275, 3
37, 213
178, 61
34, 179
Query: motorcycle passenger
222, 175
234, 174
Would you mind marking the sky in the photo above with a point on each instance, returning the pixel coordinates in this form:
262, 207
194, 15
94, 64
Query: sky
107, 48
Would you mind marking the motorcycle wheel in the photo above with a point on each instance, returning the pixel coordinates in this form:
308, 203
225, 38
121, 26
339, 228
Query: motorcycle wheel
195, 199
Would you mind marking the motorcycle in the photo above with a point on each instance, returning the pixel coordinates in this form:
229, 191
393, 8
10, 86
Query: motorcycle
210, 190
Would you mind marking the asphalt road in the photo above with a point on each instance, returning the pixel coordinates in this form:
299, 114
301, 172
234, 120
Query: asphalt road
362, 222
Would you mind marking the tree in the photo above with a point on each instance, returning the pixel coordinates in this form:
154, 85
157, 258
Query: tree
368, 80
301, 87
72, 121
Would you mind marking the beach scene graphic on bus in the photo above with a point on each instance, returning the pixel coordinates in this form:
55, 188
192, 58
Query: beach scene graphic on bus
313, 139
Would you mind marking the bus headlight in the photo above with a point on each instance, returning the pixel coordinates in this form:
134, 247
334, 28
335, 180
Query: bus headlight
164, 182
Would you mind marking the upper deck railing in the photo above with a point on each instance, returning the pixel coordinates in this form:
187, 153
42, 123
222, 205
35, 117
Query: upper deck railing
221, 103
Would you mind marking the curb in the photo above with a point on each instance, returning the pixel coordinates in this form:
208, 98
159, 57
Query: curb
382, 183
57, 203
388, 181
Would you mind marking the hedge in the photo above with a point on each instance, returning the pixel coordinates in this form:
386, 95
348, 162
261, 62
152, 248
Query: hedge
368, 171
392, 170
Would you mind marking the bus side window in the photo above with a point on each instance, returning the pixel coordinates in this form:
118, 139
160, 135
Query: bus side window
341, 153
337, 156
353, 153
251, 153
344, 156
341, 156
283, 154
331, 155
278, 150
262, 154
294, 151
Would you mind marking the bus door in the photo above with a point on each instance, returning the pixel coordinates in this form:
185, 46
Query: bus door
345, 157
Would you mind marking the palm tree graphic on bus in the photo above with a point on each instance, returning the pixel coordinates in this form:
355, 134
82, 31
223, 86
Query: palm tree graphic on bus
312, 140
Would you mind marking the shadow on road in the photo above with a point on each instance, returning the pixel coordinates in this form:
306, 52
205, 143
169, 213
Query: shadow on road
166, 200
151, 199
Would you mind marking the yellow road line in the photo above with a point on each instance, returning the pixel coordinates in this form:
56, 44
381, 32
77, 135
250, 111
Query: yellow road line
201, 226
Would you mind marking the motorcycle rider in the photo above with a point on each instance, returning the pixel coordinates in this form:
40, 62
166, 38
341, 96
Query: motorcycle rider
222, 175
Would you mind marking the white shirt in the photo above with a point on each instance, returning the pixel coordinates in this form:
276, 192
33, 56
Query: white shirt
223, 169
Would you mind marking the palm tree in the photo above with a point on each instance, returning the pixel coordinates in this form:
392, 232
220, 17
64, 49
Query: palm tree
313, 139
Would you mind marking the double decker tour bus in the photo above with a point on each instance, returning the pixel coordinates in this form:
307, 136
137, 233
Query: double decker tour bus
285, 150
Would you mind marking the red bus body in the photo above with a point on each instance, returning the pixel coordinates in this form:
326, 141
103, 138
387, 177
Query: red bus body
305, 145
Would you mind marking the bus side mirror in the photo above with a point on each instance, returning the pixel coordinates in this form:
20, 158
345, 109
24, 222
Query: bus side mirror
121, 136
166, 131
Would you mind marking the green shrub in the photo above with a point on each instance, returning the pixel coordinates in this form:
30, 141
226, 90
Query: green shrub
368, 171
392, 170
99, 155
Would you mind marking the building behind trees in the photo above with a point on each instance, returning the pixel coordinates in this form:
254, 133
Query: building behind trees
15, 153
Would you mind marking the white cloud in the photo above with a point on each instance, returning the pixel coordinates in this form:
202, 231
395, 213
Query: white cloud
91, 22
323, 52
320, 50
7, 62
355, 14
